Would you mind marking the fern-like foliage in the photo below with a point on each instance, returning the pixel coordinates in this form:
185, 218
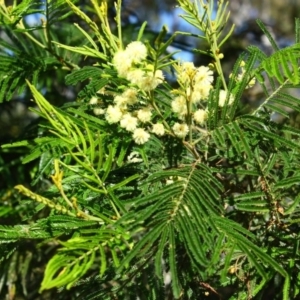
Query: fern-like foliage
27, 52
96, 173
15, 70
188, 215
13, 15
277, 74
283, 64
57, 11
182, 214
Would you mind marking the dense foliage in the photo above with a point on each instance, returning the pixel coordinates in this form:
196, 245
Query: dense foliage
156, 182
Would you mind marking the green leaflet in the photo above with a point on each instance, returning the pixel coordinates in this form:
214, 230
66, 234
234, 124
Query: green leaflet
253, 252
283, 64
177, 208
23, 55
78, 255
173, 265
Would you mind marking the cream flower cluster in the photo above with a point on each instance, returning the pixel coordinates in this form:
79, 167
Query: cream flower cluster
189, 100
188, 103
129, 113
195, 81
195, 85
97, 110
131, 64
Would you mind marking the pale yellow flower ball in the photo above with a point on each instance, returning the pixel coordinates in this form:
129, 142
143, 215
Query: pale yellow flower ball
200, 116
131, 96
122, 62
222, 98
200, 92
179, 105
144, 115
180, 130
93, 100
135, 76
159, 76
150, 81
204, 76
128, 122
113, 114
98, 111
137, 51
140, 136
120, 101
186, 72
158, 129
146, 81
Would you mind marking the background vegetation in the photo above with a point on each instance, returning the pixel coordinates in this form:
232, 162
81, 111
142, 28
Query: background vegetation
234, 234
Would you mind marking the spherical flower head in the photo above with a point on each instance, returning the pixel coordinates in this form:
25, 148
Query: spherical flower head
222, 98
134, 76
93, 100
186, 72
204, 76
137, 51
122, 62
113, 114
120, 101
200, 116
158, 129
144, 115
128, 122
140, 136
147, 83
150, 81
131, 96
98, 111
180, 130
159, 76
145, 80
188, 67
200, 92
179, 105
